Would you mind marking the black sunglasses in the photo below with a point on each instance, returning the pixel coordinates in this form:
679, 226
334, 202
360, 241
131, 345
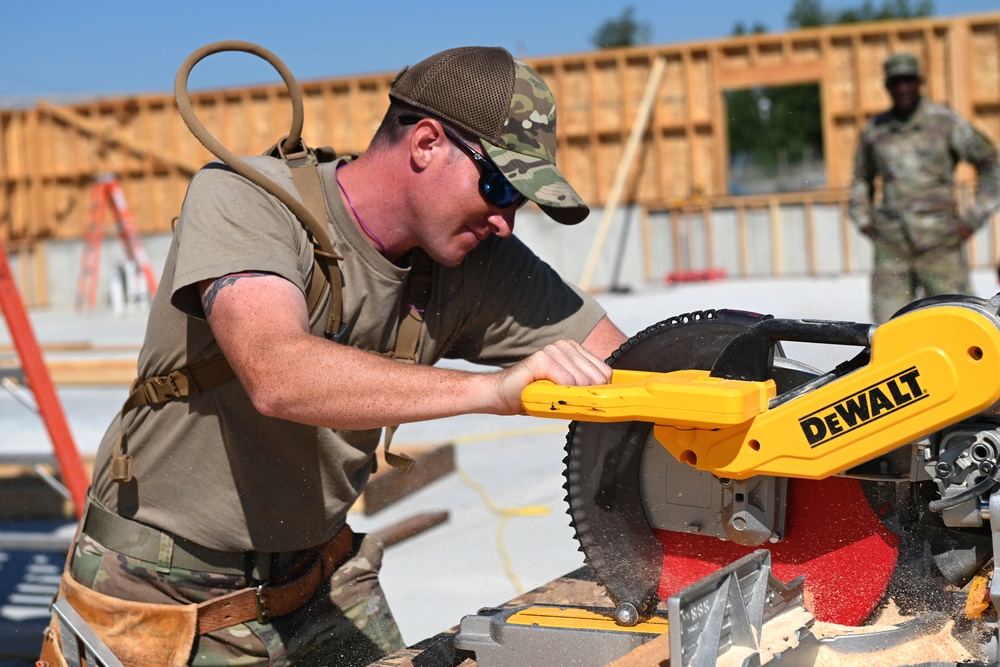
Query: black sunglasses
493, 185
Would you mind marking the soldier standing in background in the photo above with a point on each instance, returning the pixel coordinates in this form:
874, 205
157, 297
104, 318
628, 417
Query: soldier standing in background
918, 232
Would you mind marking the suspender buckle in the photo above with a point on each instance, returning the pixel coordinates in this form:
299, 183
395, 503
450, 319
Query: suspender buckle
162, 388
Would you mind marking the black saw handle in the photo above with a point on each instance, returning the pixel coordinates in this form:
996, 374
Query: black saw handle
750, 356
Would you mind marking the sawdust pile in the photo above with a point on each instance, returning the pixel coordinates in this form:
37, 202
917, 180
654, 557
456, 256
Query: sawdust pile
940, 646
782, 633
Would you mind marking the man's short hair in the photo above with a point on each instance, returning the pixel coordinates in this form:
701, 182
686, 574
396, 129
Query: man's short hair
390, 131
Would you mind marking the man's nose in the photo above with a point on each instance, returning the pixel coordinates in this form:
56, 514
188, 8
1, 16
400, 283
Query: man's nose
502, 222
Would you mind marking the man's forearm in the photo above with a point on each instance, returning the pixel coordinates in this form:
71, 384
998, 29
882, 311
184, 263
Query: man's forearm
261, 323
605, 338
314, 381
317, 382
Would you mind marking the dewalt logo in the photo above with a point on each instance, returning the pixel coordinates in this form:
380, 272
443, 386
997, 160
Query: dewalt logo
896, 392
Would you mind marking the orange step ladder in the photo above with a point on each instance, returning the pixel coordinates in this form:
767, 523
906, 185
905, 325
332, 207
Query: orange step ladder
40, 382
106, 190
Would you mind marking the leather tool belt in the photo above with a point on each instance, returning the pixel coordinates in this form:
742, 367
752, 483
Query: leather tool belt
286, 580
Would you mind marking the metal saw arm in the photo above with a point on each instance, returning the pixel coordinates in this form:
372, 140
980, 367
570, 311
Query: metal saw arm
928, 368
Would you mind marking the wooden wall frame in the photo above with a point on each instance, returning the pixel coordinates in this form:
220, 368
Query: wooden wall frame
49, 155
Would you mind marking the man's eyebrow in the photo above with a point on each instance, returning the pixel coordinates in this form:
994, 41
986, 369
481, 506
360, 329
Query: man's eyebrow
208, 298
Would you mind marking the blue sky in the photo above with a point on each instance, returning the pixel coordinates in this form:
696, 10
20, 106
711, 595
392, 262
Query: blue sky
52, 49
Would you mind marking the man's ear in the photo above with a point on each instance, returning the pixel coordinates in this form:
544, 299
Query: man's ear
426, 140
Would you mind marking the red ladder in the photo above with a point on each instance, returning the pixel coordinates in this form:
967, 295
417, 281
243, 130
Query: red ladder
40, 383
106, 189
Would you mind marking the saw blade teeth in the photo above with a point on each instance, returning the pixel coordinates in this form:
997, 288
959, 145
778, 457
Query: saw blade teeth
617, 542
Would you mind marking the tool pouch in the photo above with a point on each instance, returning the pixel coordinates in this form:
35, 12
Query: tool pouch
52, 655
139, 634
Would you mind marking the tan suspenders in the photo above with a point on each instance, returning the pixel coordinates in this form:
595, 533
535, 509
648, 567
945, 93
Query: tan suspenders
411, 323
195, 378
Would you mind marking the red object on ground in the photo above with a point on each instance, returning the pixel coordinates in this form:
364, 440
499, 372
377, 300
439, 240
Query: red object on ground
834, 539
694, 275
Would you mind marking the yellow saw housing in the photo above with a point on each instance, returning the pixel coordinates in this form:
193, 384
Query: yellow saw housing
929, 368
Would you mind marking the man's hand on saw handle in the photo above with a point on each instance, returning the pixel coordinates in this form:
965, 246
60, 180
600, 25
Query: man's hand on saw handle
564, 362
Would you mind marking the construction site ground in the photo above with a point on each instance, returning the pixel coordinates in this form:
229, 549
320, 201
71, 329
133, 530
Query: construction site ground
507, 531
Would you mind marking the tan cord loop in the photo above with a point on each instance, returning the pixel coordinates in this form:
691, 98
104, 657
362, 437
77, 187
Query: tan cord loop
291, 142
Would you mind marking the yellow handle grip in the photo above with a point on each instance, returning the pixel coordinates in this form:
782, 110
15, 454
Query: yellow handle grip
686, 398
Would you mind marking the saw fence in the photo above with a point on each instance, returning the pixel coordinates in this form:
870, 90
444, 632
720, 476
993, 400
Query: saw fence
675, 162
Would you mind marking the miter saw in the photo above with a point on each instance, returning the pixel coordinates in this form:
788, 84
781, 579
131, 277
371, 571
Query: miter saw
876, 480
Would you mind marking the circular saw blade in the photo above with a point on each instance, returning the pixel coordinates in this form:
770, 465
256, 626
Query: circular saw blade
639, 565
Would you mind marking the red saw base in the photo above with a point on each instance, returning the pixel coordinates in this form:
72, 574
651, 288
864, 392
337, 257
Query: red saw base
834, 539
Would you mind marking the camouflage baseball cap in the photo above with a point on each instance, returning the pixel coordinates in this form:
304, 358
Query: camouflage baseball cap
901, 64
508, 107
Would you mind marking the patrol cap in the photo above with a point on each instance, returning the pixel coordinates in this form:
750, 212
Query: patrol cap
508, 107
901, 64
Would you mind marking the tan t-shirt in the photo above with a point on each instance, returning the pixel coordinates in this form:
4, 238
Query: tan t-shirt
214, 470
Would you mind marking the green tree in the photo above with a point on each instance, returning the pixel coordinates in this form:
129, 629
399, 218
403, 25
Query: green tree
808, 14
622, 31
741, 28
760, 120
811, 13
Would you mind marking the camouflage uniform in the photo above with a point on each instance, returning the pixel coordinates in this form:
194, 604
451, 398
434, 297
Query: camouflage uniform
917, 230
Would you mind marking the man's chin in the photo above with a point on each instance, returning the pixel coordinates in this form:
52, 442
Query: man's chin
450, 259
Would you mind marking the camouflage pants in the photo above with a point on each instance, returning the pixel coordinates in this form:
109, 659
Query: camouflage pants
900, 276
346, 622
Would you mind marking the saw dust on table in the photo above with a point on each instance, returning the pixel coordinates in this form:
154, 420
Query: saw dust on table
941, 645
784, 632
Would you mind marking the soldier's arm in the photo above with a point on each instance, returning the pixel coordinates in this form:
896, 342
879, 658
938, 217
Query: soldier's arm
261, 324
862, 190
971, 145
604, 339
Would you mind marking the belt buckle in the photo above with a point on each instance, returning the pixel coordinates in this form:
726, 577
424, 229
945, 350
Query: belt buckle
261, 603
